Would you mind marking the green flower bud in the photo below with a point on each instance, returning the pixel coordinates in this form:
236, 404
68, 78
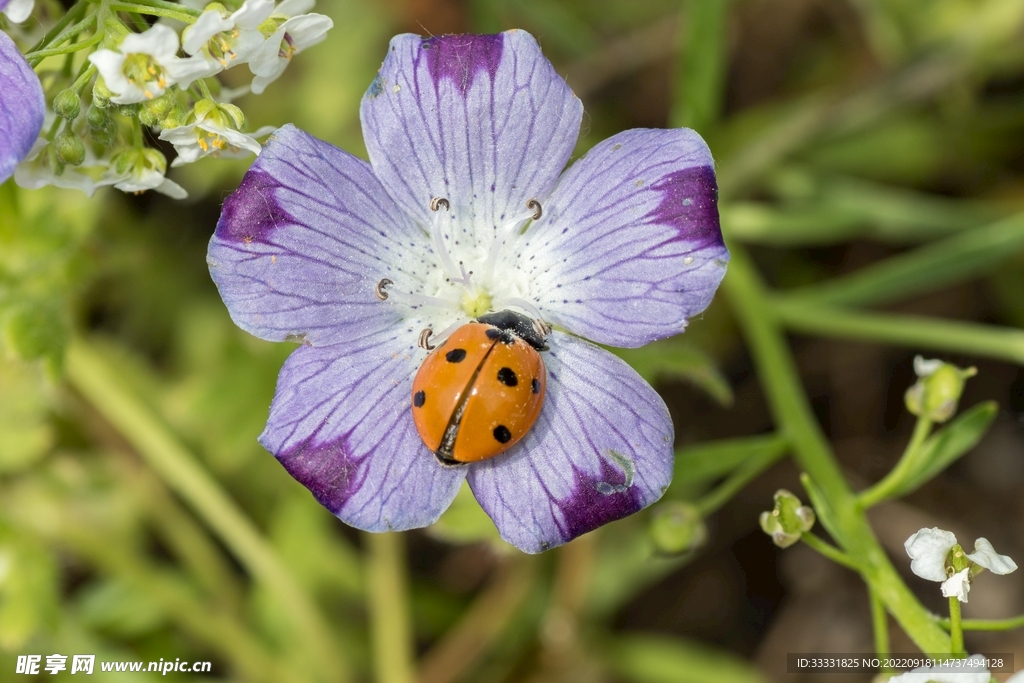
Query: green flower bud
203, 108
677, 527
937, 392
97, 117
146, 118
67, 104
101, 94
788, 521
129, 110
176, 117
159, 107
70, 148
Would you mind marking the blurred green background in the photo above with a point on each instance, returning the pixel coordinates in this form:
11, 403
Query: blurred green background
140, 519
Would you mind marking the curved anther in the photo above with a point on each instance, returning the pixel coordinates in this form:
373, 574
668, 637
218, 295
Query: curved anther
380, 290
437, 202
537, 209
425, 339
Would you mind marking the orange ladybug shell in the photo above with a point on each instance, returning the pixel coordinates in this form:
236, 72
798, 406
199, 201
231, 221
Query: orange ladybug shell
477, 394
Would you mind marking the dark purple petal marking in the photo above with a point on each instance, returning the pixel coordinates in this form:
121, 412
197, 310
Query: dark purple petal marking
629, 246
21, 106
252, 211
689, 203
341, 424
325, 469
484, 121
303, 242
601, 449
460, 58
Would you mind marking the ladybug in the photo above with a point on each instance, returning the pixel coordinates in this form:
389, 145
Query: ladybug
478, 393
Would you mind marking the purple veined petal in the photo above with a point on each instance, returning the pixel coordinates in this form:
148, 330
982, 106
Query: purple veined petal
21, 107
302, 243
341, 424
629, 247
484, 121
600, 450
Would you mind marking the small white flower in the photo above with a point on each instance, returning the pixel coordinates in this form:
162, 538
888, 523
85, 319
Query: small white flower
962, 673
146, 64
925, 366
38, 170
17, 10
213, 130
928, 549
140, 170
295, 34
958, 585
229, 39
932, 557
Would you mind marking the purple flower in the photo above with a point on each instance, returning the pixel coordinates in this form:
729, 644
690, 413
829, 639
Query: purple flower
21, 107
627, 249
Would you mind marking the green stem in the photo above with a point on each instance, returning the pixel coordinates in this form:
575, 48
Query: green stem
72, 15
906, 465
828, 550
903, 330
205, 89
984, 624
740, 477
792, 411
956, 632
391, 629
135, 8
880, 627
83, 78
37, 56
172, 6
96, 380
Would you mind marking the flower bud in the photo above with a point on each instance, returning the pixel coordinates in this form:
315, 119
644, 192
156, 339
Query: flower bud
70, 148
101, 94
159, 107
677, 527
788, 520
176, 117
146, 118
67, 104
97, 117
937, 391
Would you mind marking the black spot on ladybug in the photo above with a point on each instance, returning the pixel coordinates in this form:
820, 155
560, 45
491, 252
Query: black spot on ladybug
419, 398
501, 434
535, 386
507, 376
456, 355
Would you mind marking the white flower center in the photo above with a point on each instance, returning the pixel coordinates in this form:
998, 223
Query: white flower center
468, 280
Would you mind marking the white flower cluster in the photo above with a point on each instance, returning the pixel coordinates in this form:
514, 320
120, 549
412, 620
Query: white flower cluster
157, 77
935, 555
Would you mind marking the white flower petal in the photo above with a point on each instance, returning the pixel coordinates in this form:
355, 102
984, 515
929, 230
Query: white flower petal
252, 13
292, 8
171, 189
184, 71
161, 42
307, 30
110, 64
19, 10
958, 585
928, 549
210, 23
986, 556
924, 367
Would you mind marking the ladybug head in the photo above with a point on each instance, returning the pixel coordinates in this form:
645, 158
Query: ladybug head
533, 332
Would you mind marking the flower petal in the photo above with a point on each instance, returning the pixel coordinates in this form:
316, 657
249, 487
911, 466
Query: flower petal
958, 585
928, 549
341, 424
484, 121
629, 246
601, 450
986, 556
17, 10
303, 242
21, 107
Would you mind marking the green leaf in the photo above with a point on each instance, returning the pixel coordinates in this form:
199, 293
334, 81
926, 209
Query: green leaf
674, 358
946, 446
703, 62
660, 659
824, 512
712, 460
120, 608
36, 330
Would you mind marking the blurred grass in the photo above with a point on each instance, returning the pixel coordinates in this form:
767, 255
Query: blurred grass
893, 123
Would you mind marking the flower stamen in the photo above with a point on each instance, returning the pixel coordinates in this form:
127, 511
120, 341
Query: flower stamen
454, 273
501, 237
412, 300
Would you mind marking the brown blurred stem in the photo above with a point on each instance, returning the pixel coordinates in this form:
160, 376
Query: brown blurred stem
481, 625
